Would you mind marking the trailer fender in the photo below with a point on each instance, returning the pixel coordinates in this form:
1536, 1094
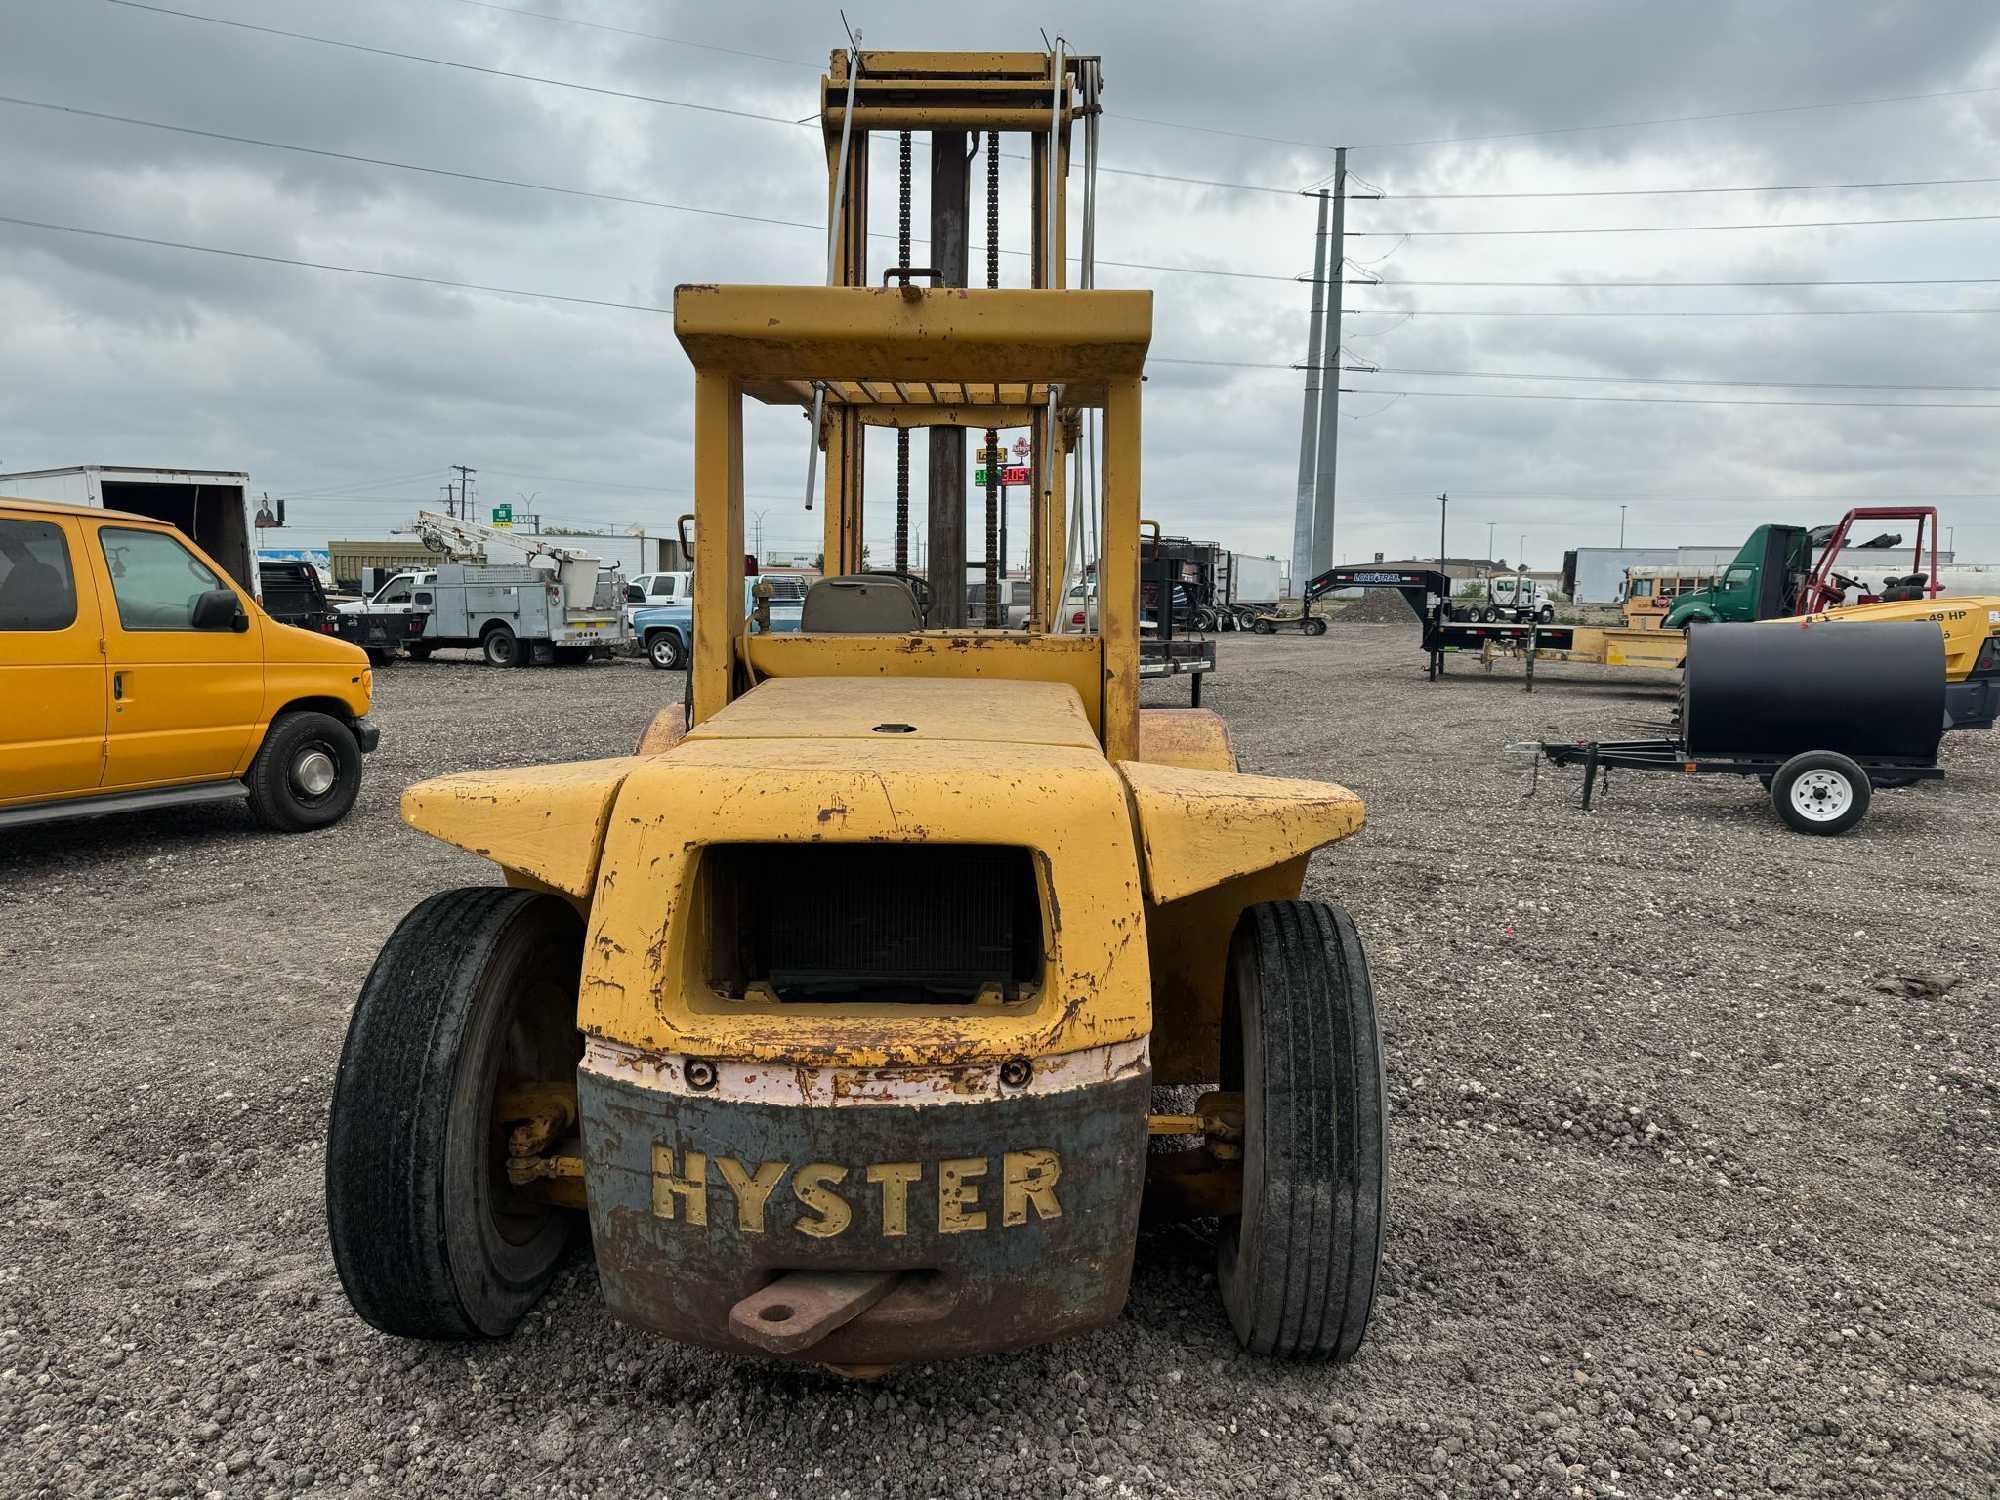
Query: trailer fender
545, 822
1198, 829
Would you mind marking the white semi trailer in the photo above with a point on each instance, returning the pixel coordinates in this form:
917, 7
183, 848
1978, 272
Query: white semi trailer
213, 507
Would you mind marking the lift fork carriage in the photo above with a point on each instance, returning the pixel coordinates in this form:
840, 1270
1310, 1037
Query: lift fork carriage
838, 1005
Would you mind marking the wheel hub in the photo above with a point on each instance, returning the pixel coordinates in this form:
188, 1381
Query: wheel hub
314, 772
1822, 795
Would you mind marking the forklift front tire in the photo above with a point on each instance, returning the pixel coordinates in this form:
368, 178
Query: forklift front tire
1298, 1267
475, 987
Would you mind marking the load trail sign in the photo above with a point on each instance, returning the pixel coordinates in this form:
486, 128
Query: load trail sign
1012, 474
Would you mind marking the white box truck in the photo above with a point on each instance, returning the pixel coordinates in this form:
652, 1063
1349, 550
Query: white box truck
212, 506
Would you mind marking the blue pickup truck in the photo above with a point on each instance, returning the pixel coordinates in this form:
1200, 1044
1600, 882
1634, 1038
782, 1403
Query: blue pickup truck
666, 631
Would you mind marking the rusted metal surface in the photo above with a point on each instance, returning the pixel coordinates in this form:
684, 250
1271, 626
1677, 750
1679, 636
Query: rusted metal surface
1194, 1184
1194, 739
801, 1308
1006, 1222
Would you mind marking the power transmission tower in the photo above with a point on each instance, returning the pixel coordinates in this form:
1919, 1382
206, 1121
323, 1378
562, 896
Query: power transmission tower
1329, 400
465, 490
1302, 514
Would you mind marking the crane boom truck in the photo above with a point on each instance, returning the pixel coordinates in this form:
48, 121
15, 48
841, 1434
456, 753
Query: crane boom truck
516, 614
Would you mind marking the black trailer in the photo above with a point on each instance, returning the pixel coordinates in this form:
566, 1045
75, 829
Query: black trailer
1164, 651
1822, 714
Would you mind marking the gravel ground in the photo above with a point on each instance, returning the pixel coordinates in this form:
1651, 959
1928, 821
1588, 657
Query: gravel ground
1694, 1150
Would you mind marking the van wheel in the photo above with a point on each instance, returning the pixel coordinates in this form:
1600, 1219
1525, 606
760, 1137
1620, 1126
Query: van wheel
664, 651
501, 648
1297, 1268
306, 775
1820, 791
474, 990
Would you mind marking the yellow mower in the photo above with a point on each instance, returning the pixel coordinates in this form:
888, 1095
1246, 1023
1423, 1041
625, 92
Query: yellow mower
839, 1006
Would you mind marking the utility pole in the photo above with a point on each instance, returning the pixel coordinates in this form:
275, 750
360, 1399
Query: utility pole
1443, 501
951, 205
1621, 526
1521, 556
1302, 514
450, 499
1489, 540
465, 490
1329, 400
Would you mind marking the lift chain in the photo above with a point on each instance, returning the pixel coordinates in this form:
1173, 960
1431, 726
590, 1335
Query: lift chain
991, 455
903, 433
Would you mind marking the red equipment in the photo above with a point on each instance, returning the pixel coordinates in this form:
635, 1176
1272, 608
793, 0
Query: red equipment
1822, 592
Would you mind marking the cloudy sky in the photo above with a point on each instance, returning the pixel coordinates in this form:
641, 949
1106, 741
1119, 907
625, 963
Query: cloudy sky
351, 394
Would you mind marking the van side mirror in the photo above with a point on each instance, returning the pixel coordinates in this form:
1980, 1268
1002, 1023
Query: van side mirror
217, 609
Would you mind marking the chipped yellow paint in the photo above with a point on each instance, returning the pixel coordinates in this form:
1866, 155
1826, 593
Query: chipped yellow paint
917, 709
644, 979
1194, 739
1201, 828
994, 656
664, 732
546, 822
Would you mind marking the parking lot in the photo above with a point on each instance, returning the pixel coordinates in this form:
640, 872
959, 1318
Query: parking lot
1694, 1151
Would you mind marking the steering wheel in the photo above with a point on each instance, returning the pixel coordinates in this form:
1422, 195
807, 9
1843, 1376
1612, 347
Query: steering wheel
1842, 581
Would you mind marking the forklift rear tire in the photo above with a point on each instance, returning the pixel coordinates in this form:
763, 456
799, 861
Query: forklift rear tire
501, 647
1298, 1267
1821, 792
430, 1241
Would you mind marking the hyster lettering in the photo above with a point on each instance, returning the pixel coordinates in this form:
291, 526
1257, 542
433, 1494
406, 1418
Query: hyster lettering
824, 1196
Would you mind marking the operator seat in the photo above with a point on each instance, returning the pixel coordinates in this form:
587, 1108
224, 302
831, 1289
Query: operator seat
861, 604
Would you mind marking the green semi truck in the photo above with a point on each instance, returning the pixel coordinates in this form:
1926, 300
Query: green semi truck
1761, 584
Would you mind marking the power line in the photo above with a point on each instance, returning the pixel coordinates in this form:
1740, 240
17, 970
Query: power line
651, 36
442, 62
1813, 385
315, 265
1776, 187
1649, 285
404, 166
1367, 390
546, 187
1792, 312
1728, 114
1670, 228
1803, 385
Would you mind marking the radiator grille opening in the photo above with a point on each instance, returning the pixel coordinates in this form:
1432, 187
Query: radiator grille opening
920, 924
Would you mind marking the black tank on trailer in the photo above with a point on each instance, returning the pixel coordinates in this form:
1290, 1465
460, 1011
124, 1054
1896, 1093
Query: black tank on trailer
1870, 690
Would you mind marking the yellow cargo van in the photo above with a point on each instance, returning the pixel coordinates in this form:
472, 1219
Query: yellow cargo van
135, 673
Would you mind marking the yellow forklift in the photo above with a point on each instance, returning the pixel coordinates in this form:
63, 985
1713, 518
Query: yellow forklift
838, 1008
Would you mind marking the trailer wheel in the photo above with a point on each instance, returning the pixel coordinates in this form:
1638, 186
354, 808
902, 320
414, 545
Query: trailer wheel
1263, 627
1315, 625
1820, 791
665, 652
1297, 1268
430, 1240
